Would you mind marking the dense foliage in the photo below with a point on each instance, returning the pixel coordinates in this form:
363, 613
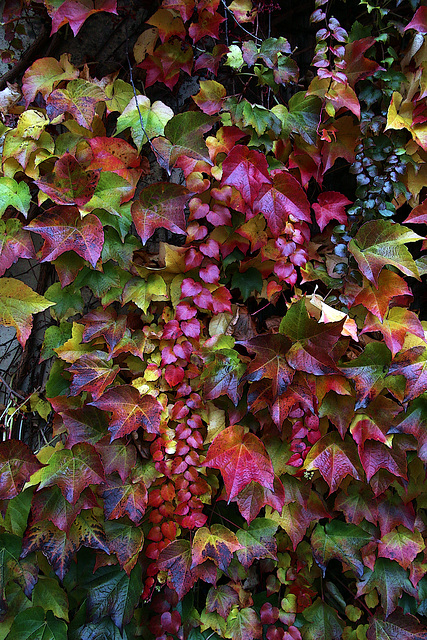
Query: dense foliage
236, 402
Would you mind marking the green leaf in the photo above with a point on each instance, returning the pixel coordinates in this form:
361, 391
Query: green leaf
257, 541
379, 243
18, 509
31, 624
112, 592
54, 338
390, 580
18, 303
341, 541
323, 622
302, 116
368, 371
154, 118
48, 595
14, 194
243, 625
248, 281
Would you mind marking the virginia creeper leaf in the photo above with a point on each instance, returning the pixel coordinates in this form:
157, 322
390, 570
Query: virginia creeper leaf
14, 194
390, 580
241, 458
284, 198
154, 118
246, 169
335, 459
72, 470
44, 74
160, 205
337, 540
176, 559
130, 411
75, 12
243, 625
18, 303
368, 372
396, 627
92, 373
257, 541
379, 243
322, 622
79, 98
127, 497
34, 624
112, 592
126, 542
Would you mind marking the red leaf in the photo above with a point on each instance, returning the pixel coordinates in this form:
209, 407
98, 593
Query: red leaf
211, 61
413, 365
115, 155
105, 323
396, 627
15, 243
63, 230
84, 425
50, 504
17, 464
125, 498
166, 63
246, 170
241, 458
75, 12
207, 25
217, 544
160, 205
221, 599
283, 199
331, 206
335, 459
401, 545
185, 7
255, 496
296, 517
419, 21
69, 183
357, 66
374, 456
129, 411
395, 327
418, 214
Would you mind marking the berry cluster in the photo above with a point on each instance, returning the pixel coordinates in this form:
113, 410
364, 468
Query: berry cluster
379, 166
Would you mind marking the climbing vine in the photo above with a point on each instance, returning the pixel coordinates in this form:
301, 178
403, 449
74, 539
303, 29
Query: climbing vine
233, 409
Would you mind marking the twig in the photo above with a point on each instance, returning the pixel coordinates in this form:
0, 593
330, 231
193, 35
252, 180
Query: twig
15, 393
238, 23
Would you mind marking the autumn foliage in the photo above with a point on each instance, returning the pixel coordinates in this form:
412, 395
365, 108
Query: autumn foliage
237, 362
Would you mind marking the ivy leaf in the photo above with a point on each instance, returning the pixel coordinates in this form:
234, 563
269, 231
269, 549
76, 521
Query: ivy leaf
241, 458
79, 99
413, 365
210, 97
414, 422
184, 7
221, 599
270, 361
330, 206
44, 74
222, 375
83, 425
176, 559
207, 25
18, 303
401, 545
69, 183
390, 580
160, 205
254, 496
297, 516
112, 592
166, 63
14, 194
13, 568
337, 540
377, 299
122, 498
50, 504
217, 544
257, 541
284, 198
154, 117
92, 373
322, 622
368, 372
117, 456
243, 625
419, 21
357, 505
50, 597
184, 132
129, 411
126, 542
302, 117
15, 243
357, 66
105, 323
60, 547
246, 170
17, 464
34, 624
63, 230
395, 327
76, 12
335, 459
379, 243
72, 470
375, 455
396, 627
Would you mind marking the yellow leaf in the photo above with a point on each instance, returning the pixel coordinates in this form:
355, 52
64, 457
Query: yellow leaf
145, 44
